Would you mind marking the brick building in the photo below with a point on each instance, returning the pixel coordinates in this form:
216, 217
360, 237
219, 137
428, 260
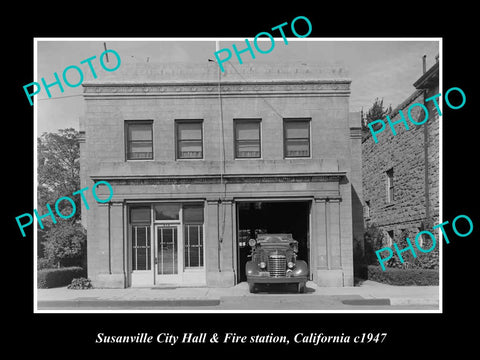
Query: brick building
199, 162
401, 173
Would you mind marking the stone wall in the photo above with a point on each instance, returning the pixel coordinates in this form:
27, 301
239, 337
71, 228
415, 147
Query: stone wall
405, 153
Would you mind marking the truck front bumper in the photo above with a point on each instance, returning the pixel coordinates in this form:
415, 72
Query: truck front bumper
276, 280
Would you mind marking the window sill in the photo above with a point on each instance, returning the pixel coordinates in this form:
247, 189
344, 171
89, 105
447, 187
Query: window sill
297, 157
389, 205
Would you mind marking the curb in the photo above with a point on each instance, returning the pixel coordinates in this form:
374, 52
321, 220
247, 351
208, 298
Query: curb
414, 301
101, 303
392, 301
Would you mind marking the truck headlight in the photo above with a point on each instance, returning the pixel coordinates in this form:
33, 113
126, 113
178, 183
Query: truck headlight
262, 265
291, 264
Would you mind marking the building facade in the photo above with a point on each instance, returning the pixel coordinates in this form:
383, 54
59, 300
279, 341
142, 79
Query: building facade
401, 173
199, 162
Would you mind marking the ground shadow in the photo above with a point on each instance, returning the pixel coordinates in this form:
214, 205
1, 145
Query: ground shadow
281, 289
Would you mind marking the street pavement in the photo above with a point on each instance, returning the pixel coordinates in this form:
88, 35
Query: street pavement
369, 296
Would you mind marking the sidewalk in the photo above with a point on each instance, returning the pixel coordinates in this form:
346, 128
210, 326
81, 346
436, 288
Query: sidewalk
368, 293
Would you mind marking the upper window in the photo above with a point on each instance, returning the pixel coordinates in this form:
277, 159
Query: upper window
367, 209
189, 136
390, 192
296, 133
139, 140
247, 138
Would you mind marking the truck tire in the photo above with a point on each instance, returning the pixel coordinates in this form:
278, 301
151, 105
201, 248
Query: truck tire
301, 288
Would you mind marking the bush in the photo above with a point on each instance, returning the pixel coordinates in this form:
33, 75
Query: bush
44, 263
48, 278
421, 261
80, 283
373, 242
395, 276
65, 244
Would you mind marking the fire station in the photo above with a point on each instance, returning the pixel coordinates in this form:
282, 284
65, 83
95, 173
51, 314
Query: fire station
201, 161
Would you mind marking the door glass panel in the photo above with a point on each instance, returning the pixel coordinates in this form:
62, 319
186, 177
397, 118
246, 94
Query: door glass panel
167, 254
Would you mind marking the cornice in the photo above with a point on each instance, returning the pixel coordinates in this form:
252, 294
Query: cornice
338, 87
217, 179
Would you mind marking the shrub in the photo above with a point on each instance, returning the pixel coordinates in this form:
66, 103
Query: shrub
373, 242
65, 244
80, 283
48, 278
44, 263
421, 261
396, 276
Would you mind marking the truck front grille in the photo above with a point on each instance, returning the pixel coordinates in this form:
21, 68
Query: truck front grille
277, 265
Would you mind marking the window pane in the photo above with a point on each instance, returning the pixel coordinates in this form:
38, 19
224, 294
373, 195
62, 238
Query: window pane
167, 211
193, 214
190, 131
193, 235
141, 236
140, 150
248, 148
140, 214
247, 130
139, 132
297, 148
189, 149
297, 129
194, 260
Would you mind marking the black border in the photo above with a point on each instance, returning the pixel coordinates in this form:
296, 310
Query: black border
410, 334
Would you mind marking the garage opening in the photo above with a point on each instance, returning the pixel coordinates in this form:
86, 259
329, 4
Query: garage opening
263, 217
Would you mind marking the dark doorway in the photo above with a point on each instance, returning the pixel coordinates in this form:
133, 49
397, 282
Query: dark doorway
259, 217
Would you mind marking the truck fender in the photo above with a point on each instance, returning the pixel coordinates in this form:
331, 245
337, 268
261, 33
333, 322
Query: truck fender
251, 268
301, 268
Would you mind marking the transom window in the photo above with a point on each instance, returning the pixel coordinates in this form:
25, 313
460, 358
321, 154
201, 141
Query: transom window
247, 138
167, 211
139, 140
296, 133
189, 136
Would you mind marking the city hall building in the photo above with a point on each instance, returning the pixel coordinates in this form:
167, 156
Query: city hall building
201, 161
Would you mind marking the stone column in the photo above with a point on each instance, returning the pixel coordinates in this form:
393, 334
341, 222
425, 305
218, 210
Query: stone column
334, 238
227, 238
212, 264
319, 219
114, 246
97, 245
328, 270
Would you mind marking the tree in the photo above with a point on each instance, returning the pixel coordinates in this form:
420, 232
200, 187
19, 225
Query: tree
65, 244
58, 175
59, 171
376, 112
